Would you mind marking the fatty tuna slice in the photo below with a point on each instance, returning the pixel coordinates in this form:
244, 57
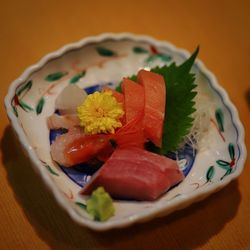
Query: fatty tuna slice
134, 173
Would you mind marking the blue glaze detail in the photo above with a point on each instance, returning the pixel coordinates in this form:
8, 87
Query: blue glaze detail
54, 133
79, 174
188, 153
97, 87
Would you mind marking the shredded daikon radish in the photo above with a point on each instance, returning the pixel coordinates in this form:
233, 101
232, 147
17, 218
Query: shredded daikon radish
205, 107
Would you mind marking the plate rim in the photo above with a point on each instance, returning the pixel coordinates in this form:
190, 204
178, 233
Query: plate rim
161, 208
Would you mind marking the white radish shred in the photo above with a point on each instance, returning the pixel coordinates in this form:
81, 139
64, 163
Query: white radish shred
69, 99
202, 116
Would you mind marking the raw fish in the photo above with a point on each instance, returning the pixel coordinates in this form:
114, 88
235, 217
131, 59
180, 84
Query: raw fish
134, 173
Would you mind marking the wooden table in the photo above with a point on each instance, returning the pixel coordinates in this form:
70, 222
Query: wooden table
29, 216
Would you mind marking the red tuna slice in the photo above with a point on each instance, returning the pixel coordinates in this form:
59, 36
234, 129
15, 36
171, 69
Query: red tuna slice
134, 173
132, 133
155, 99
133, 99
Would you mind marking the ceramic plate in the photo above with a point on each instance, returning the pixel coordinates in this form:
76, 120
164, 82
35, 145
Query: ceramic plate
103, 60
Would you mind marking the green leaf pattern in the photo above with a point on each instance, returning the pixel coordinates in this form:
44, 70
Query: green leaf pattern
163, 57
51, 170
26, 87
105, 52
210, 173
80, 204
77, 77
55, 76
14, 110
220, 119
231, 151
140, 50
227, 173
25, 106
40, 105
227, 166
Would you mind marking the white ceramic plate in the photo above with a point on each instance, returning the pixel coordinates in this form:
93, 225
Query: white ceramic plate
105, 59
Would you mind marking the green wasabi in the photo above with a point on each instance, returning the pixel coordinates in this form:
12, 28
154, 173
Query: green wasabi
100, 205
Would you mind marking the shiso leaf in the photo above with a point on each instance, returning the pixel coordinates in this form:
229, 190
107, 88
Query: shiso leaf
179, 102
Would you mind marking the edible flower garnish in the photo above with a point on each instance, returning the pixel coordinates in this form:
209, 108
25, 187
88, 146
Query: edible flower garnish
100, 113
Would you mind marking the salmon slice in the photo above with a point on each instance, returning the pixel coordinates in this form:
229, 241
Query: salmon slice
133, 99
155, 99
134, 173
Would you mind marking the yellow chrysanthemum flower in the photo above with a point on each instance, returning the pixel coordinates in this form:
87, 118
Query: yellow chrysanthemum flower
100, 113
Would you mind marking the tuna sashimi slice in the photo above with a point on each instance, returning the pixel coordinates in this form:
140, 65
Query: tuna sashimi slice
134, 173
155, 99
131, 134
133, 99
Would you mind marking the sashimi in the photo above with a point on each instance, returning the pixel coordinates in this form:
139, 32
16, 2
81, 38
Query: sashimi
132, 133
133, 99
61, 142
75, 147
134, 173
155, 99
87, 147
